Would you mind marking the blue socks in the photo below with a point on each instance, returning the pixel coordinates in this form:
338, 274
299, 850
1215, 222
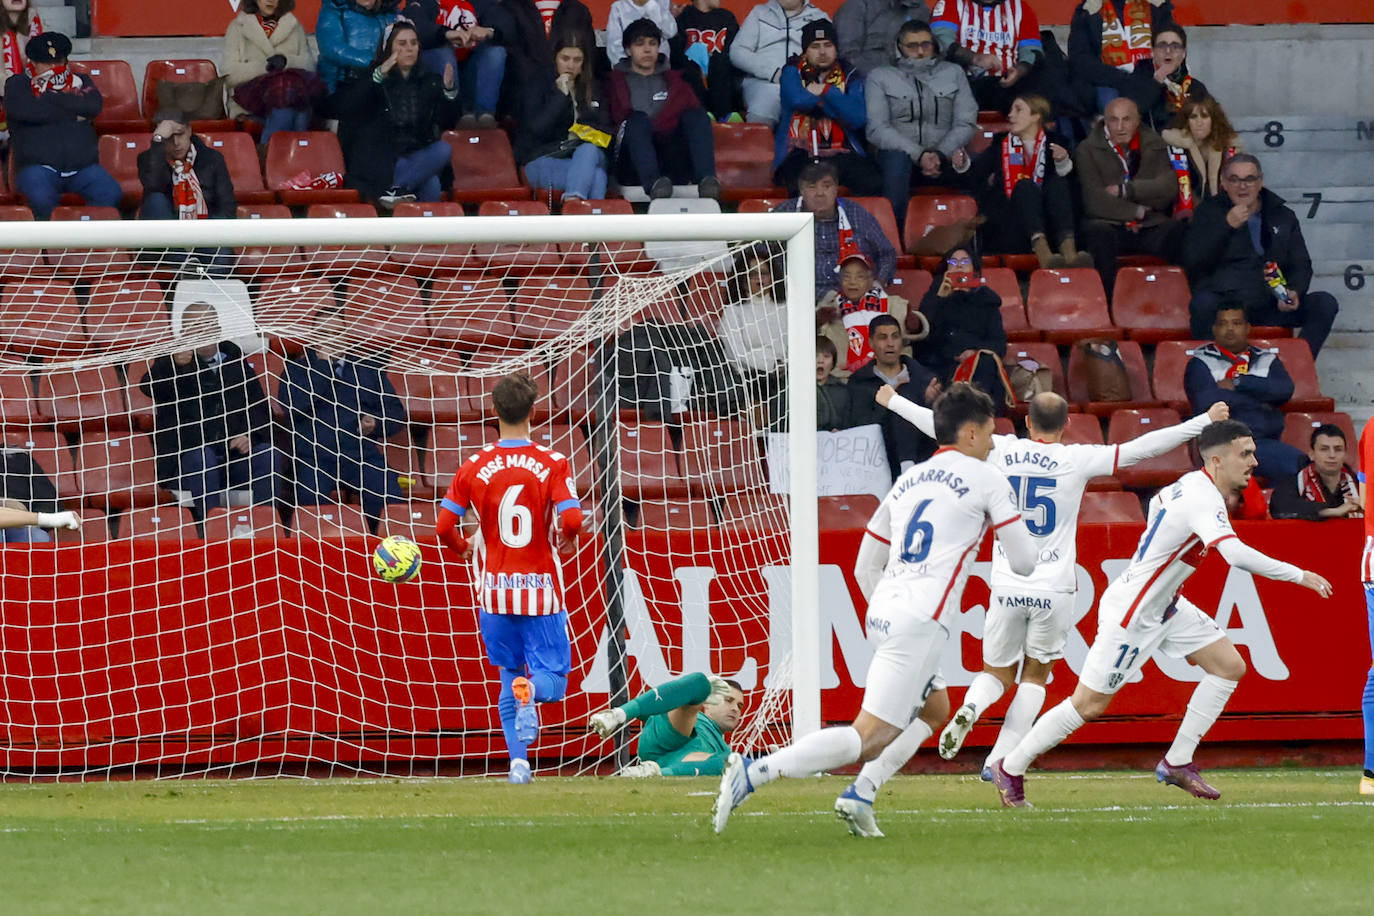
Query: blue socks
1368, 706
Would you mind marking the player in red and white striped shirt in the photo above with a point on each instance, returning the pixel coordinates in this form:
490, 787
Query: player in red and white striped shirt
1141, 612
1367, 577
996, 41
515, 488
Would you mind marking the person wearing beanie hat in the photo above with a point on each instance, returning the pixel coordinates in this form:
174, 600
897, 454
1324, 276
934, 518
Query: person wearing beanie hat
665, 134
823, 115
52, 136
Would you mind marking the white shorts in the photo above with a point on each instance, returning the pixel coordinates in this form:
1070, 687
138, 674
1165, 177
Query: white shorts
906, 662
1025, 622
1118, 652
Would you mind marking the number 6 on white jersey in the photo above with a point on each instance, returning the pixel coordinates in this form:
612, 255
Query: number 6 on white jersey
516, 524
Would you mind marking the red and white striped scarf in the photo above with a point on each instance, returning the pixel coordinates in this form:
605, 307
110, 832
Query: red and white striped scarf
187, 194
819, 135
1311, 489
1129, 38
13, 49
1016, 165
59, 79
856, 316
268, 25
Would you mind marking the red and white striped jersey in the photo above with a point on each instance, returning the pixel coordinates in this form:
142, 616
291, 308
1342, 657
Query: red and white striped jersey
933, 520
515, 487
1000, 29
1185, 521
1367, 462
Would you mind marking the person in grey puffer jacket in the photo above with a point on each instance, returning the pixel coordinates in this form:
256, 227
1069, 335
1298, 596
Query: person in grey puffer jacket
921, 113
867, 27
768, 39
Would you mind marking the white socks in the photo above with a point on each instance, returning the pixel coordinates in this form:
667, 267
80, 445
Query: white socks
1025, 706
1053, 727
815, 753
1204, 706
985, 690
882, 768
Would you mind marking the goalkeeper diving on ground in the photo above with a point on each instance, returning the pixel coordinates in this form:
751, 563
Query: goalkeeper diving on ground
685, 724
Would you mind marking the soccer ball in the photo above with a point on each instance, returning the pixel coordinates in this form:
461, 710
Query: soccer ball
397, 559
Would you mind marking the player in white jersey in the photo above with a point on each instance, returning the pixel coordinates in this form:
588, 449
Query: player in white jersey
912, 566
1141, 612
1029, 617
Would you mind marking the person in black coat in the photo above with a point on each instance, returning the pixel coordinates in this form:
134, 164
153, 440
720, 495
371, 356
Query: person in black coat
552, 156
211, 426
905, 444
341, 409
165, 169
390, 123
450, 32
1162, 83
529, 41
1237, 240
52, 137
1033, 206
965, 316
1102, 70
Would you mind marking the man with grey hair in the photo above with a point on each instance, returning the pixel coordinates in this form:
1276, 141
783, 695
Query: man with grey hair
1246, 247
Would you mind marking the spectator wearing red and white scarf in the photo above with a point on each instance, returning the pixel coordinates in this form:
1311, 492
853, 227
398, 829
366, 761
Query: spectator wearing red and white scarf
843, 315
52, 137
19, 24
182, 177
1107, 38
267, 38
1162, 83
1022, 185
1326, 488
997, 42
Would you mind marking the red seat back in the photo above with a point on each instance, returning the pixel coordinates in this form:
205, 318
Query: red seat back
241, 157
119, 156
925, 212
119, 109
1110, 508
484, 166
1126, 425
744, 160
173, 71
1151, 303
1068, 305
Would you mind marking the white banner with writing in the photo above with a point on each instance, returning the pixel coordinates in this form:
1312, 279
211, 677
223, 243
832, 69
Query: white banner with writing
848, 461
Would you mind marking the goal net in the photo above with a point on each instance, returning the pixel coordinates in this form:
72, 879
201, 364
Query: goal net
240, 411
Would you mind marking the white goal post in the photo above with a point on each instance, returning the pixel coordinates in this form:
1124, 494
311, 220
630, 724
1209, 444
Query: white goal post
71, 252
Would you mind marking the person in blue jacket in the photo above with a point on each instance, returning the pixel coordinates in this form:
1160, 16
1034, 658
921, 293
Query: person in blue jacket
823, 115
341, 409
349, 32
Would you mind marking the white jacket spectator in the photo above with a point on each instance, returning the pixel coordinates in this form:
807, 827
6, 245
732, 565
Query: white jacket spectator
624, 12
769, 37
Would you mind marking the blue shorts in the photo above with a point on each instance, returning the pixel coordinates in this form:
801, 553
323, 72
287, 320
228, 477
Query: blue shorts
518, 642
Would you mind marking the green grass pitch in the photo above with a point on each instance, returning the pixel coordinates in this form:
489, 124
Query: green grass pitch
1282, 841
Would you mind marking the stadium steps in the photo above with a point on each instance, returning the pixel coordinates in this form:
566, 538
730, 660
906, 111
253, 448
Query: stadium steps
57, 16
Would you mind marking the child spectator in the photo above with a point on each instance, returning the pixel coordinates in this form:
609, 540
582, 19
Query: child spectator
832, 395
705, 32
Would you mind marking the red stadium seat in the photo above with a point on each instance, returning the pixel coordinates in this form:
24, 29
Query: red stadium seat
1151, 303
571, 444
50, 452
82, 264
1110, 508
271, 369
476, 404
764, 204
846, 513
329, 521
1297, 359
1003, 282
41, 319
925, 212
758, 514
285, 309
117, 470
744, 161
880, 208
1069, 305
333, 260
119, 110
450, 446
95, 528
1171, 361
1298, 427
315, 153
258, 262
1086, 429
414, 520
473, 312
524, 256
574, 387
675, 515
84, 399
131, 313
427, 260
383, 308
258, 522
911, 285
17, 406
721, 458
119, 156
163, 523
431, 388
484, 167
1043, 354
25, 264
649, 466
623, 254
1126, 425
180, 71
245, 172
1002, 426
1136, 374
545, 308
985, 134
141, 407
